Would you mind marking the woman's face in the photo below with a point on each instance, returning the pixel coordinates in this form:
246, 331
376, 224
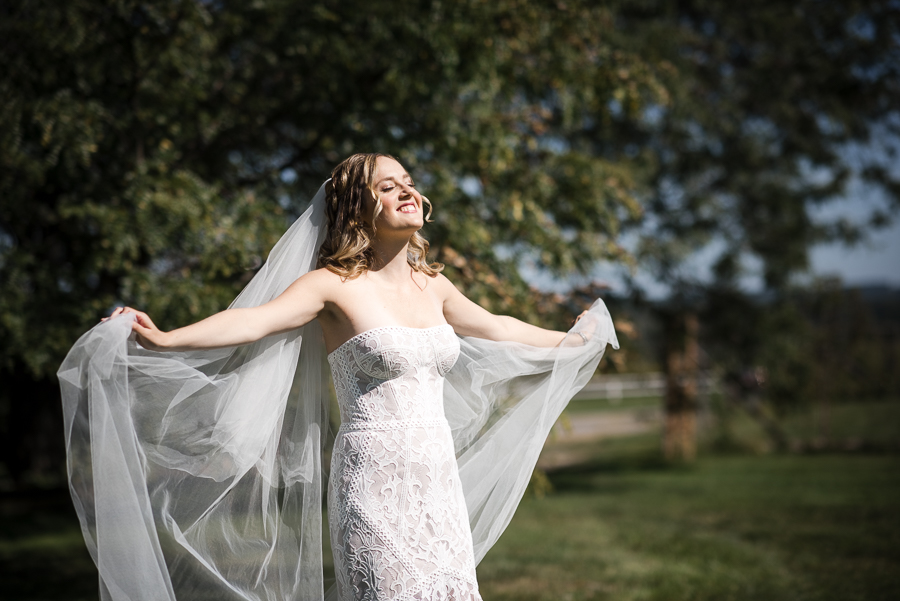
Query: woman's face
401, 204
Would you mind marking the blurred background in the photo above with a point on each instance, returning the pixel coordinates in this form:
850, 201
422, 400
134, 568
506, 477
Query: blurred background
724, 174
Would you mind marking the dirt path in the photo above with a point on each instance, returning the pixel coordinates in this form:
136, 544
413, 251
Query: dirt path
604, 424
565, 446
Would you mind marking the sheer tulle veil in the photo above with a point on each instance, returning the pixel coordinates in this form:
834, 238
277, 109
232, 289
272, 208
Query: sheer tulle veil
198, 475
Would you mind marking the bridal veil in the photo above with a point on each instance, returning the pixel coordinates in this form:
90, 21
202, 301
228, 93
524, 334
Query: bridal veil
198, 475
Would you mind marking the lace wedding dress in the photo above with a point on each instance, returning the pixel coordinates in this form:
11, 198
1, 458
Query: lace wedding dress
198, 475
398, 520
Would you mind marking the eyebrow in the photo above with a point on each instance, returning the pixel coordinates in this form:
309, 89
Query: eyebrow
392, 178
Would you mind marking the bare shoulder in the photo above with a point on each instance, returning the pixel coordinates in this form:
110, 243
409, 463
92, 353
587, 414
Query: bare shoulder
324, 283
322, 276
444, 288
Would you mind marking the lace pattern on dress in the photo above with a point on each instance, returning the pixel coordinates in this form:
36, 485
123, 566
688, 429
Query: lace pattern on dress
397, 514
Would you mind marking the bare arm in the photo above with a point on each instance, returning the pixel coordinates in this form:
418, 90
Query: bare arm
295, 307
470, 319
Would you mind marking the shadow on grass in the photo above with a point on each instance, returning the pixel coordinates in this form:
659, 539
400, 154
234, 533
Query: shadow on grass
43, 556
611, 456
42, 552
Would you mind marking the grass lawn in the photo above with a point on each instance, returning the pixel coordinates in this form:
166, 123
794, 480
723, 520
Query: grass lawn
42, 552
874, 421
622, 527
807, 527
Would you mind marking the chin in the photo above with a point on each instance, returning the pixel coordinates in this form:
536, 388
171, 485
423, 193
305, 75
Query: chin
414, 218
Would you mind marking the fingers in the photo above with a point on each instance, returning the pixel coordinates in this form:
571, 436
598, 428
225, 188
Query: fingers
139, 315
582, 314
143, 332
115, 313
147, 334
144, 320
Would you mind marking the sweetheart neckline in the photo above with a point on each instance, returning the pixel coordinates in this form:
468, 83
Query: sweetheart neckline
380, 328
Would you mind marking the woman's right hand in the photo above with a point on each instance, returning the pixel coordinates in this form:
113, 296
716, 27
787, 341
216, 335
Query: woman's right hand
148, 335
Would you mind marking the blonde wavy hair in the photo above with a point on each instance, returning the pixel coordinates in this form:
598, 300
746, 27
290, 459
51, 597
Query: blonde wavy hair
347, 249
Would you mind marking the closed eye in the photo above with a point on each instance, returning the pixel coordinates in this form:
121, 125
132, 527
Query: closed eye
389, 188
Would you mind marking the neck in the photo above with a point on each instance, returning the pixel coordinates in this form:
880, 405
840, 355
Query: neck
390, 258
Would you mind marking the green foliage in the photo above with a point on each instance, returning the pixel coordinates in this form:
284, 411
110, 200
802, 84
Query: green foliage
857, 425
151, 152
817, 343
100, 202
770, 105
773, 109
850, 352
770, 102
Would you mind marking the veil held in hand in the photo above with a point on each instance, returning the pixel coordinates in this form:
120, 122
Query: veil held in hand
198, 475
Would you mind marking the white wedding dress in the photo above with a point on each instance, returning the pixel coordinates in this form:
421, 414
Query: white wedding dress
198, 475
398, 519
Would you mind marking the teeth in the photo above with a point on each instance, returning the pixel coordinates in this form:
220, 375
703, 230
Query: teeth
408, 209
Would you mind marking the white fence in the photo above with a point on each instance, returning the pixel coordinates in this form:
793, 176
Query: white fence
628, 386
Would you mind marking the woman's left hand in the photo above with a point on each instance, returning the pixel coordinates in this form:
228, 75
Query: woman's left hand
148, 335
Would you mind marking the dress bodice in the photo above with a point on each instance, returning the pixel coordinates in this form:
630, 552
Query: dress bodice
397, 512
393, 373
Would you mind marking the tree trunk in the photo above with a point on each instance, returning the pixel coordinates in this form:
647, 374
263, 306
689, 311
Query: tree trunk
682, 357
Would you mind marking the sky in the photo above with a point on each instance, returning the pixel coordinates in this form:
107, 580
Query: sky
871, 262
876, 260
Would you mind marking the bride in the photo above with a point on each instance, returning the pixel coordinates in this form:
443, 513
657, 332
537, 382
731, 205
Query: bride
194, 454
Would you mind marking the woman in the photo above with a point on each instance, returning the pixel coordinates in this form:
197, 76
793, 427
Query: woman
399, 521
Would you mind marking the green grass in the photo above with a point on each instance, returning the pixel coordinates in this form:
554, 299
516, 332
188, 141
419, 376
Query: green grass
822, 527
42, 552
624, 526
875, 423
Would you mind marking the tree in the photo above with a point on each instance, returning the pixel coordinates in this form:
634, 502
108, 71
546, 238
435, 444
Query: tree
152, 151
770, 103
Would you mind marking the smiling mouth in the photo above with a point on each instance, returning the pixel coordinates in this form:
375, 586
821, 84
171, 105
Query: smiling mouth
408, 209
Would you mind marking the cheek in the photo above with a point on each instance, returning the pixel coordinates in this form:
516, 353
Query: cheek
389, 203
368, 209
